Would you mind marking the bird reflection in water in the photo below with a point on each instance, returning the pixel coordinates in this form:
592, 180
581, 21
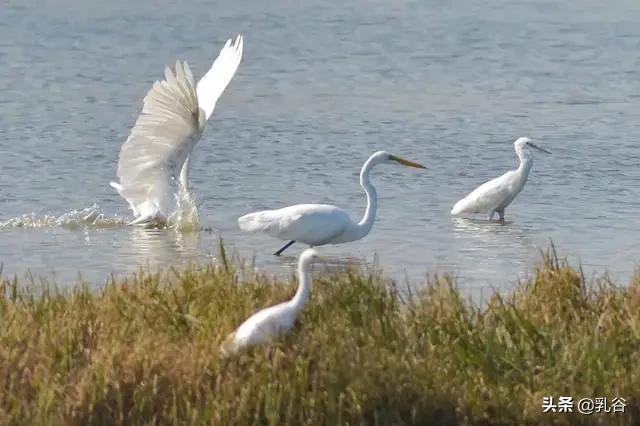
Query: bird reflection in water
328, 264
160, 248
494, 247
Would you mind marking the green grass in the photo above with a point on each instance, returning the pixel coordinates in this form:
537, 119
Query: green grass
144, 350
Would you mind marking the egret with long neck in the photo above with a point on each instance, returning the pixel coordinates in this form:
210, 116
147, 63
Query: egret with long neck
495, 195
274, 321
320, 224
362, 228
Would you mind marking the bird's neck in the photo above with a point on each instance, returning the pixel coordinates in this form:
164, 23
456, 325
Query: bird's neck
526, 161
184, 174
364, 226
304, 288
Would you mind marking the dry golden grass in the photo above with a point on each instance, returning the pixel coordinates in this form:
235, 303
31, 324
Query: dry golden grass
144, 350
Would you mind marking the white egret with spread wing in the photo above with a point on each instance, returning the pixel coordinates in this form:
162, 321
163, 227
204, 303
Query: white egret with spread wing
495, 195
154, 160
274, 321
319, 224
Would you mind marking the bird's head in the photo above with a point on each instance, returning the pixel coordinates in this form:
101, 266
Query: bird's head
228, 346
524, 143
385, 157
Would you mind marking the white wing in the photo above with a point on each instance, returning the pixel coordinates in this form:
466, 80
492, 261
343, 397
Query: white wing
260, 328
213, 83
488, 196
164, 134
313, 224
154, 157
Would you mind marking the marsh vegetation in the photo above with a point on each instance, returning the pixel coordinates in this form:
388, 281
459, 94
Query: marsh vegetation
145, 350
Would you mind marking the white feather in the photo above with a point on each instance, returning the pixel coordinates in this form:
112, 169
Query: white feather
318, 224
312, 224
173, 117
271, 322
495, 195
489, 195
213, 83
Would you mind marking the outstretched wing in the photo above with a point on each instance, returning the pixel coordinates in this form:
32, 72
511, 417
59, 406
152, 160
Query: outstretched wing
151, 158
213, 83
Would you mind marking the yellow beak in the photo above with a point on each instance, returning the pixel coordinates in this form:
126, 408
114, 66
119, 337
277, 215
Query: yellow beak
407, 162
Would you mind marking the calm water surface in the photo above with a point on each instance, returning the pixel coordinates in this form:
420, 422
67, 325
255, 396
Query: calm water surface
321, 86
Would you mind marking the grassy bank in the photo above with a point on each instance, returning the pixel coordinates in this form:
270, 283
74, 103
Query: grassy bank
145, 351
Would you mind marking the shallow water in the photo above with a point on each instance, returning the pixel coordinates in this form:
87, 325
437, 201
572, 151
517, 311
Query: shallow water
321, 87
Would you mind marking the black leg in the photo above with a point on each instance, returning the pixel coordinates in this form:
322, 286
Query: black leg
286, 246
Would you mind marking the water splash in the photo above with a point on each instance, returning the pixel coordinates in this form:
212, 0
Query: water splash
185, 218
90, 217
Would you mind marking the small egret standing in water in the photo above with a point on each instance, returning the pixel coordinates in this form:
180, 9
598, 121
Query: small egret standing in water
154, 160
494, 196
271, 322
319, 224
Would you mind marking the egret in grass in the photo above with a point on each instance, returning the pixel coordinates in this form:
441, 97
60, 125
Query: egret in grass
319, 224
154, 160
494, 196
276, 320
